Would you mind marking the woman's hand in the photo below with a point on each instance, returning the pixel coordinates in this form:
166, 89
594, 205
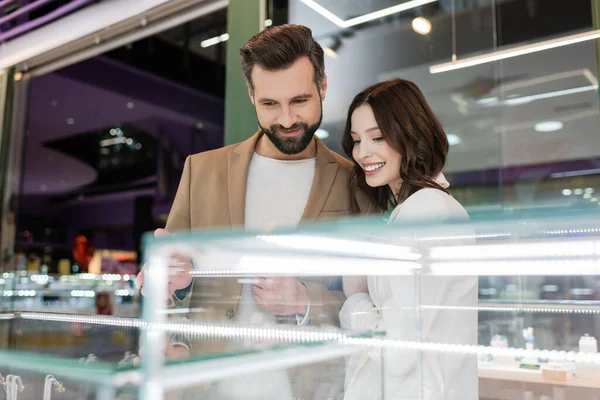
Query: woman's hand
354, 284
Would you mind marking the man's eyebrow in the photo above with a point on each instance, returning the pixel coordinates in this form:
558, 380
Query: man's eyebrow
264, 100
303, 96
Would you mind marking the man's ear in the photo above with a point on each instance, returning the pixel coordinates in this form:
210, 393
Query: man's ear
251, 94
323, 90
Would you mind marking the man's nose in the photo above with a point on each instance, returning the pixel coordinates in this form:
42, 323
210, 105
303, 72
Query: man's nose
287, 119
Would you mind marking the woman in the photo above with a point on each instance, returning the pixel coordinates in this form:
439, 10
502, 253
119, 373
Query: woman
399, 150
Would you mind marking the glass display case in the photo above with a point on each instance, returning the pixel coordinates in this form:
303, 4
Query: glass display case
72, 294
500, 307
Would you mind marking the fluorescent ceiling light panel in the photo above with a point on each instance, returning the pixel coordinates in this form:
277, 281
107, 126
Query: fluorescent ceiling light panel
215, 40
366, 17
515, 52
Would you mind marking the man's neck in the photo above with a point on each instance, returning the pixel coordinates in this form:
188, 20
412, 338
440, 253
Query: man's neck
266, 148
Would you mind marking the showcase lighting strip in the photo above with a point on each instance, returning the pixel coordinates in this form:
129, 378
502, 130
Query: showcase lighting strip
515, 268
299, 336
515, 52
550, 249
594, 310
312, 266
366, 17
571, 231
466, 237
347, 247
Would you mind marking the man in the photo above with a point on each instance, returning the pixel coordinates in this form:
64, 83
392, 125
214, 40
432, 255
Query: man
281, 176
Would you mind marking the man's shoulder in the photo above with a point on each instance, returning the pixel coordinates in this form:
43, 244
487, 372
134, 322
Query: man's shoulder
217, 156
345, 165
326, 152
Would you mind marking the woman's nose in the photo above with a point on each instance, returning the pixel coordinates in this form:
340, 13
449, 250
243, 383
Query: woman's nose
364, 150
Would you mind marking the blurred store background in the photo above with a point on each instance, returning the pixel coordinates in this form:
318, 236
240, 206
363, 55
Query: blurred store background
104, 138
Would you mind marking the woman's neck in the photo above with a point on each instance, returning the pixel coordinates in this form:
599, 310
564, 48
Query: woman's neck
395, 188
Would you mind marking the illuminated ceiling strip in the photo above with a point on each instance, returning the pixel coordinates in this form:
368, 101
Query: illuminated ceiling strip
215, 40
550, 78
558, 93
367, 17
529, 125
569, 174
515, 52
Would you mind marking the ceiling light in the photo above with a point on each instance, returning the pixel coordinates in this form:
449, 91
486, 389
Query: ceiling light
490, 101
578, 192
567, 192
548, 126
421, 25
332, 50
594, 199
366, 17
322, 133
589, 190
268, 23
215, 40
130, 104
70, 121
453, 139
516, 101
515, 52
138, 146
582, 172
587, 196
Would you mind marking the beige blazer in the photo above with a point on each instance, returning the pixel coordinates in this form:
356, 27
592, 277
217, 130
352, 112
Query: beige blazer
212, 194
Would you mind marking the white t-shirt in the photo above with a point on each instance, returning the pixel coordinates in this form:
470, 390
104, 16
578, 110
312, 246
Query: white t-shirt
276, 195
277, 192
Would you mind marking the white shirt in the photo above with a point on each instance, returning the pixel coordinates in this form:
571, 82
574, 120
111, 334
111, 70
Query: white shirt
390, 306
276, 195
277, 192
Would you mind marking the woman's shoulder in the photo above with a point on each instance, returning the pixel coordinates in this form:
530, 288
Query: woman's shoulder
430, 203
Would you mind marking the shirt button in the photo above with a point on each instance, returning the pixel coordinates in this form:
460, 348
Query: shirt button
229, 313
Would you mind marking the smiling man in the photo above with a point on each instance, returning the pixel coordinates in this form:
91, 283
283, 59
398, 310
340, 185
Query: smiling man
281, 176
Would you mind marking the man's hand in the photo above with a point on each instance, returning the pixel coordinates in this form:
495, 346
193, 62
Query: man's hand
179, 270
172, 352
355, 284
281, 295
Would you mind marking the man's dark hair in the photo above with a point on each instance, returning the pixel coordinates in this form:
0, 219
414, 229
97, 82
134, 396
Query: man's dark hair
279, 47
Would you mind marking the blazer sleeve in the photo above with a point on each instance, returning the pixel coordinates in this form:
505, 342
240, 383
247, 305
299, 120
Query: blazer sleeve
179, 217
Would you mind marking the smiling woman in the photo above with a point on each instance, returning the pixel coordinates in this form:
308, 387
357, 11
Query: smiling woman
396, 142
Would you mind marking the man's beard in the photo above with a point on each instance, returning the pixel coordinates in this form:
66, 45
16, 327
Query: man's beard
296, 144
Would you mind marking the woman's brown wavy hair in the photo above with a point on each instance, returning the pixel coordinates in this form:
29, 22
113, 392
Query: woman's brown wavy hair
410, 127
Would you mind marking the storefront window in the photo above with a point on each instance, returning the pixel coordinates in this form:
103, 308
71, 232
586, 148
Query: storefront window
523, 130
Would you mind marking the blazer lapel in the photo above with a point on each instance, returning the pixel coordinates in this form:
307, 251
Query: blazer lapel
237, 177
325, 171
